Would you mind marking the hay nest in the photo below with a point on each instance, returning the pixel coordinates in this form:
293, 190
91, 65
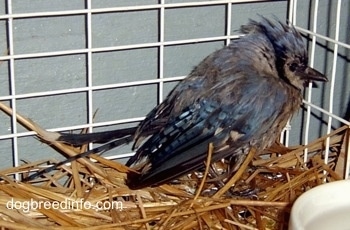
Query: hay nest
92, 193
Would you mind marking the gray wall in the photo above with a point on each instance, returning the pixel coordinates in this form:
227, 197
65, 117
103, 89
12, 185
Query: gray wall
58, 33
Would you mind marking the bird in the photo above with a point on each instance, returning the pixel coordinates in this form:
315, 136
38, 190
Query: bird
238, 98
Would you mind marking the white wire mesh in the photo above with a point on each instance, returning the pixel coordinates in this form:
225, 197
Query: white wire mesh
162, 12
334, 43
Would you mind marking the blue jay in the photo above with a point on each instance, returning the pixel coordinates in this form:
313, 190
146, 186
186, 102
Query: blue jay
239, 97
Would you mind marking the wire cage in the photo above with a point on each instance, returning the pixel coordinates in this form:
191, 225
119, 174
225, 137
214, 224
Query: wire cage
103, 65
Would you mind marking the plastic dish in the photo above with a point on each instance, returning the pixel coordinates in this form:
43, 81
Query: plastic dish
324, 207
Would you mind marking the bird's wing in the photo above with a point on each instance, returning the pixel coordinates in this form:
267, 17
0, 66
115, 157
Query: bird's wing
233, 114
184, 94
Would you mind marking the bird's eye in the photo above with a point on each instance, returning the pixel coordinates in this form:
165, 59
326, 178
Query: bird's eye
293, 66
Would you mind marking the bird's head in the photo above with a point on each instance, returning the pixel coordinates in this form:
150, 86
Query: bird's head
290, 52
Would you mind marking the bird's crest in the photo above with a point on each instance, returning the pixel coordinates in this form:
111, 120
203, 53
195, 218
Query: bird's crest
285, 39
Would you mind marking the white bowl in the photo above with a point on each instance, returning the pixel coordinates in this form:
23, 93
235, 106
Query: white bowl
325, 207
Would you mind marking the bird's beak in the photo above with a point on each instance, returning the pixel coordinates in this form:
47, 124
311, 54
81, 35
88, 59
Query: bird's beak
311, 74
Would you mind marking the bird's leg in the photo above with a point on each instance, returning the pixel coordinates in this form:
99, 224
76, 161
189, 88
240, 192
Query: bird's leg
218, 179
233, 166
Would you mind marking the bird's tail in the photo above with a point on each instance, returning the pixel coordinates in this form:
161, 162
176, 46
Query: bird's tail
114, 138
98, 137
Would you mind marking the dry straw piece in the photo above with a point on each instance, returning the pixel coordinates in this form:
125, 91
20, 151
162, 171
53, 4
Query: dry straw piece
92, 193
